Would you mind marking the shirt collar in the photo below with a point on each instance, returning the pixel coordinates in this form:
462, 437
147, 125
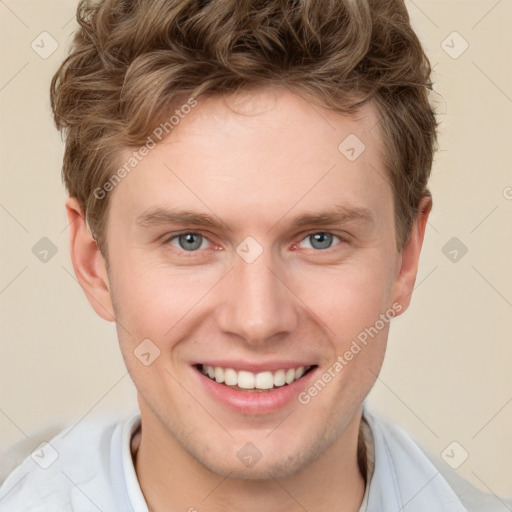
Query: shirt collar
403, 477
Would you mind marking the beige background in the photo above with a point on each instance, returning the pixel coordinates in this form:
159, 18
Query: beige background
447, 374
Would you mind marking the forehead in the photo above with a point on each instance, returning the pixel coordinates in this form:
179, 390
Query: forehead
263, 153
272, 122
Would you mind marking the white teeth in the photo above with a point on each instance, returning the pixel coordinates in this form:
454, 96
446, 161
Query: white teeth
290, 376
249, 380
280, 378
219, 374
246, 380
230, 377
264, 380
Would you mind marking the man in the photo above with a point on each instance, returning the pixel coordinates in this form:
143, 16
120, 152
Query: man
248, 201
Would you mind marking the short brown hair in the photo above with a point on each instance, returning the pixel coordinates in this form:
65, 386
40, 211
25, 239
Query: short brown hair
133, 61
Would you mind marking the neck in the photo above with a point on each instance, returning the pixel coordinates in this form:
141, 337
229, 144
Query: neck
172, 480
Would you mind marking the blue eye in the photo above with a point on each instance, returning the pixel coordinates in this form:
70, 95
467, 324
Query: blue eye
321, 240
188, 241
192, 242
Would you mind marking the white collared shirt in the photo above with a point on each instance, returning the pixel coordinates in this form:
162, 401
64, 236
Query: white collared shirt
89, 467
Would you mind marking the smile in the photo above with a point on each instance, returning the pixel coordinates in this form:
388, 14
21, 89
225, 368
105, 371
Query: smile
249, 381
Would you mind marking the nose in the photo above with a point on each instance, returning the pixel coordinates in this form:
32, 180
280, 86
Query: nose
257, 304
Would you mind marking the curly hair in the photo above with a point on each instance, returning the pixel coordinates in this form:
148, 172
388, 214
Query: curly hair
132, 62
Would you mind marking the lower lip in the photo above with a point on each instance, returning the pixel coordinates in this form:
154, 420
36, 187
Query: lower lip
254, 402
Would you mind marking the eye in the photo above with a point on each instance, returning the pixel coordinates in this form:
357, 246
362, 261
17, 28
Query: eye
188, 241
320, 240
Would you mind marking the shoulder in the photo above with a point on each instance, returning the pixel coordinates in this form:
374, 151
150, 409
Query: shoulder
472, 497
69, 471
402, 444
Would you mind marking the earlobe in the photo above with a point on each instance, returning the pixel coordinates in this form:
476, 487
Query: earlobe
88, 262
409, 257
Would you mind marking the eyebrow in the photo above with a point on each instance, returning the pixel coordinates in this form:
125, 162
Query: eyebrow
339, 214
161, 216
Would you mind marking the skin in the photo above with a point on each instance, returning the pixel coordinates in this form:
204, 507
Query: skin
273, 156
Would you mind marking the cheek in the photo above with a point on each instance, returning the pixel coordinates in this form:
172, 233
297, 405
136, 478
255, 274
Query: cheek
151, 298
348, 296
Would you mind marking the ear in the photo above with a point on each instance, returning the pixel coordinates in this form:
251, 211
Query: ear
407, 265
88, 262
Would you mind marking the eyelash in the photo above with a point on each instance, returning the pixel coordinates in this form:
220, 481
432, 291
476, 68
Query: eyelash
174, 236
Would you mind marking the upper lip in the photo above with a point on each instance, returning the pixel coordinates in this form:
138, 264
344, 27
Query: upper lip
254, 367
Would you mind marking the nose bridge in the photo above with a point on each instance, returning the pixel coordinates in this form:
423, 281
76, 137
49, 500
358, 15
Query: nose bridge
256, 305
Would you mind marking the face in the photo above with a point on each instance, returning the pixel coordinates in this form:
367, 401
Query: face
247, 240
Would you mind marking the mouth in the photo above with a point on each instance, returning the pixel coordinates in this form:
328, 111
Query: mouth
254, 382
